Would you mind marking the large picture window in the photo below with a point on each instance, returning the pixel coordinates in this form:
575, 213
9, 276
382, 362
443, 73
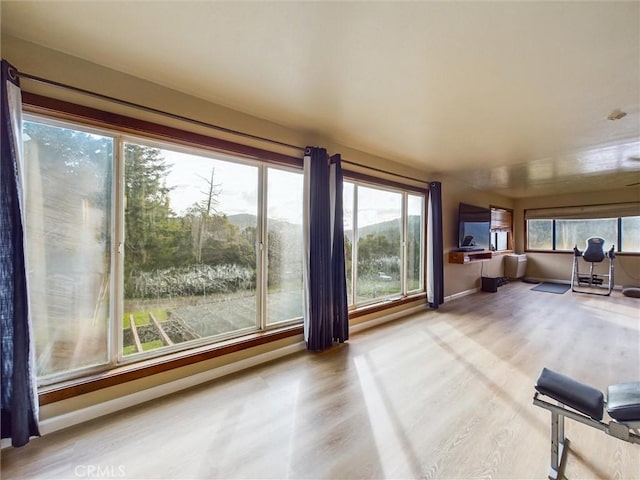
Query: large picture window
575, 232
190, 264
190, 247
138, 247
562, 228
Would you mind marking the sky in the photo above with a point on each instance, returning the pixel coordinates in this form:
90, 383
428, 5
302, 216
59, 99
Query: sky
188, 181
237, 186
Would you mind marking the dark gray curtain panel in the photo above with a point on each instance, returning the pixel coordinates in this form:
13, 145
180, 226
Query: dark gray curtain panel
326, 316
19, 400
338, 269
435, 252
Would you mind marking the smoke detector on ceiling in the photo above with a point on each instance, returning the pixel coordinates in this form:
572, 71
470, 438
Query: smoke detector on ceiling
617, 114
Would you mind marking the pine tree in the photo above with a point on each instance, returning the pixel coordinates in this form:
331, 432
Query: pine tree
150, 224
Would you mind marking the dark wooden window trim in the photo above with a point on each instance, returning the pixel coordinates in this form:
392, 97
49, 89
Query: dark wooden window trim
98, 118
63, 110
375, 181
569, 252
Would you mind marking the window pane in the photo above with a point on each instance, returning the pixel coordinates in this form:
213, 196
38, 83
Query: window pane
347, 199
190, 262
379, 244
68, 175
630, 234
501, 240
285, 246
539, 234
415, 209
570, 233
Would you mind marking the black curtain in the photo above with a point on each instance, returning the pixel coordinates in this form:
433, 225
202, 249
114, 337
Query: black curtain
19, 399
339, 278
435, 252
326, 316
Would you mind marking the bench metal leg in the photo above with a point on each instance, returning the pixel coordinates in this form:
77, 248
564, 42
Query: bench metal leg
558, 445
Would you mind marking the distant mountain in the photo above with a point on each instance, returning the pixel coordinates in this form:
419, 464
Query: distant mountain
380, 228
388, 228
243, 220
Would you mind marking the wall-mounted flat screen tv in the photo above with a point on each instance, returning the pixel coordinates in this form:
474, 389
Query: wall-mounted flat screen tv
474, 227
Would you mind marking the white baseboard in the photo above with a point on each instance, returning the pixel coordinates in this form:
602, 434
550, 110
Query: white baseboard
92, 412
76, 417
387, 318
461, 294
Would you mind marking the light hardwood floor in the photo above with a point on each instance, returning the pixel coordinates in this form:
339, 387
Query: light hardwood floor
440, 394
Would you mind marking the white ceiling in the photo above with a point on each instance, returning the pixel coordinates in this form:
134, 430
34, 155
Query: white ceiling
508, 96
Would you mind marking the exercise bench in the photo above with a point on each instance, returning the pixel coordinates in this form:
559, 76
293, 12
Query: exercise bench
587, 405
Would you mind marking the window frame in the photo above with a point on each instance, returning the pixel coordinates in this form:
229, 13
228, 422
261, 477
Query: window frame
404, 191
261, 247
499, 225
110, 361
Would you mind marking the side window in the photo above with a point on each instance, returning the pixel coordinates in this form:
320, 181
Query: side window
630, 234
384, 243
501, 229
379, 244
68, 176
415, 243
284, 246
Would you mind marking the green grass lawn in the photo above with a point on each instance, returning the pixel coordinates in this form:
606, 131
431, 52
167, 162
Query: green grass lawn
152, 345
220, 314
142, 317
130, 349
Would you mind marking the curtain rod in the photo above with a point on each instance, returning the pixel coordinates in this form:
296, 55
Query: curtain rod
151, 109
16, 73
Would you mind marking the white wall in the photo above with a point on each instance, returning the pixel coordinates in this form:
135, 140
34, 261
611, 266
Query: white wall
460, 278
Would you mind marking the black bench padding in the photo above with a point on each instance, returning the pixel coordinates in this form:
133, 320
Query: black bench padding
568, 391
623, 401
